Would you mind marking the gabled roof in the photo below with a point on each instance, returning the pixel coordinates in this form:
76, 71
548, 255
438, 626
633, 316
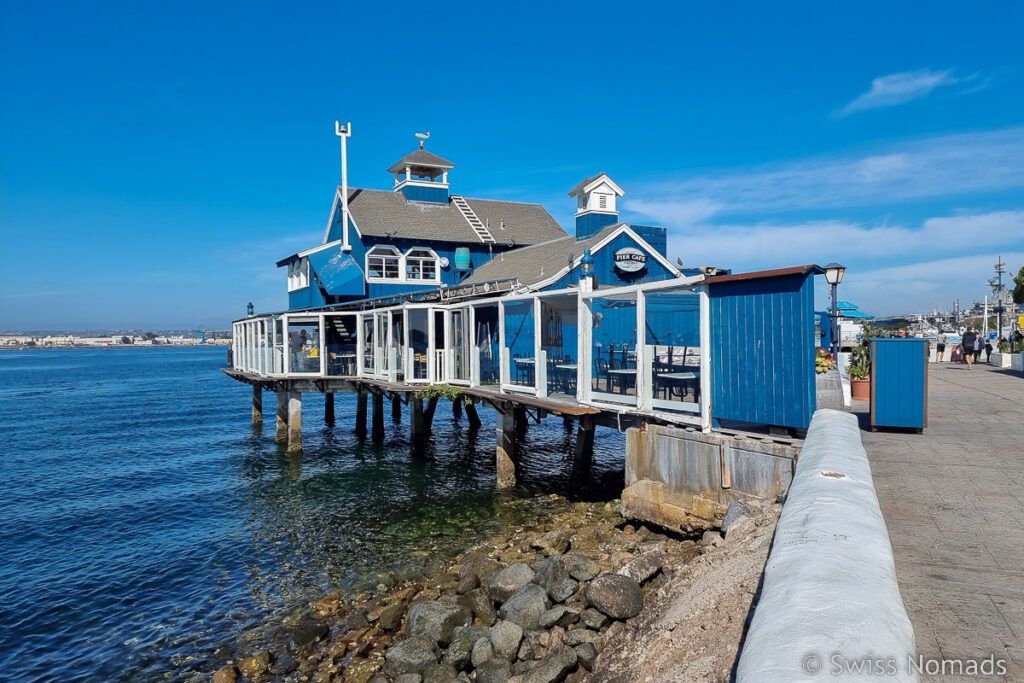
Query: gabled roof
537, 262
385, 213
420, 157
589, 183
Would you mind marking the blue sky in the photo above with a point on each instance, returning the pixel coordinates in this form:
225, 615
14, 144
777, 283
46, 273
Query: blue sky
155, 159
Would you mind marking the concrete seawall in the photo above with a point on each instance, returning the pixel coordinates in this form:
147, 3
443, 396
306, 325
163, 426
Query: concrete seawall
829, 597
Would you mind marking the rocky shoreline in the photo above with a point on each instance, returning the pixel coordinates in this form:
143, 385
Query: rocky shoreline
573, 598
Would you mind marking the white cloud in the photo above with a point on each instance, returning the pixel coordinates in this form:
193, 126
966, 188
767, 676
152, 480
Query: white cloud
938, 167
903, 87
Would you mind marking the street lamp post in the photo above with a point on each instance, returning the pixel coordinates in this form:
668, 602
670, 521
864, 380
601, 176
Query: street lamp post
834, 275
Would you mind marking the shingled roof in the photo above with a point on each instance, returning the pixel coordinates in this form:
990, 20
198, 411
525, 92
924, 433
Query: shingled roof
384, 213
420, 157
537, 262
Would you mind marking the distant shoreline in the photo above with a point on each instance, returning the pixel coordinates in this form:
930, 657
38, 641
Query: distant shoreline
108, 347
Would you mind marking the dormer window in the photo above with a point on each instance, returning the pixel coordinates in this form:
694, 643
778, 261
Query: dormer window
298, 274
421, 264
383, 263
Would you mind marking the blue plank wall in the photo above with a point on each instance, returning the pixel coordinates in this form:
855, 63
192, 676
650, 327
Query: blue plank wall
762, 350
608, 275
899, 382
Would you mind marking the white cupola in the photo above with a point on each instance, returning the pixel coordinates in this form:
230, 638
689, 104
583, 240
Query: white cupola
595, 204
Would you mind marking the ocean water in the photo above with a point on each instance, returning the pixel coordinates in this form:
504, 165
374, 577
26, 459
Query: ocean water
144, 524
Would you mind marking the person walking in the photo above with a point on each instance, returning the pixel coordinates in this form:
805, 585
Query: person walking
940, 347
988, 352
979, 344
967, 346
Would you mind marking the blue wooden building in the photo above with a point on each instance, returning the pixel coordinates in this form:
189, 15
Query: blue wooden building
416, 285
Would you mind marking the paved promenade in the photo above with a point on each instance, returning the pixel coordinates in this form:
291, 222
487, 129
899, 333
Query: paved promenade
953, 501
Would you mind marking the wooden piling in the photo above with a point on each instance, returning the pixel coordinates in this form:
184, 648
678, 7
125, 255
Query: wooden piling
417, 434
294, 422
471, 415
584, 455
329, 408
457, 408
361, 413
396, 408
522, 421
428, 414
505, 456
378, 417
281, 432
257, 406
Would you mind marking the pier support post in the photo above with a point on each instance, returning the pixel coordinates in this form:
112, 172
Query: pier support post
378, 417
505, 457
257, 406
428, 414
294, 422
567, 422
457, 408
361, 413
281, 433
417, 433
329, 408
474, 419
396, 408
584, 456
522, 421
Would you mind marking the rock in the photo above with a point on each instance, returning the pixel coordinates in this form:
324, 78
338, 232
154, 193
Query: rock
307, 632
284, 665
735, 512
379, 678
586, 654
529, 649
553, 668
226, 674
558, 616
645, 566
412, 655
436, 622
494, 671
391, 618
440, 673
328, 606
525, 606
551, 574
582, 635
353, 622
467, 582
581, 567
710, 539
256, 665
459, 652
508, 580
553, 542
505, 637
482, 652
474, 633
481, 605
593, 619
616, 595
409, 678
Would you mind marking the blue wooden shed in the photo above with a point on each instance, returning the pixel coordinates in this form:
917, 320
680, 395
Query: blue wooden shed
899, 383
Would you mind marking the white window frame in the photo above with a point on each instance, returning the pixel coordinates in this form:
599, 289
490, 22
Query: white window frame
385, 251
431, 255
298, 274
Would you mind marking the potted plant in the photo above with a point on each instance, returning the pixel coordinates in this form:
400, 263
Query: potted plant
860, 373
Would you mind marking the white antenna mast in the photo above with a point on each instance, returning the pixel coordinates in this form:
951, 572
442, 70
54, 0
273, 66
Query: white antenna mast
344, 132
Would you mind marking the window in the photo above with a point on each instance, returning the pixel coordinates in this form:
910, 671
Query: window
298, 274
383, 263
421, 264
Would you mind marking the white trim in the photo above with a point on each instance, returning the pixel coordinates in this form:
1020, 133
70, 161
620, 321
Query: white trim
410, 182
334, 210
599, 179
314, 250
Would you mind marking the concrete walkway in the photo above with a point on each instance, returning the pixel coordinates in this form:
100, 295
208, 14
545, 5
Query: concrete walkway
953, 501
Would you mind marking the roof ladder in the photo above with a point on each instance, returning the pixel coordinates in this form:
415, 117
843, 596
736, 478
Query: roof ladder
474, 222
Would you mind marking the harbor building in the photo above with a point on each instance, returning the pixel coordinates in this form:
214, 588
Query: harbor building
417, 287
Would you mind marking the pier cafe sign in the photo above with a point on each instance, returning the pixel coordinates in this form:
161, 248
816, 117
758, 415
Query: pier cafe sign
630, 260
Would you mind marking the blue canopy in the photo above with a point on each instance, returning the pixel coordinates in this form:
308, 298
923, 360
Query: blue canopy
338, 272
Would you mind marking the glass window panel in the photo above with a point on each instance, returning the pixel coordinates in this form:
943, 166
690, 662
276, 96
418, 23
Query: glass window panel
613, 349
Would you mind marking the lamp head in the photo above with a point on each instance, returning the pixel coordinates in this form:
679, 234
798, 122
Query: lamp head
250, 310
587, 263
834, 273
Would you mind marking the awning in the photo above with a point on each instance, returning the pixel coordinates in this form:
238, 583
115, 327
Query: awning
338, 272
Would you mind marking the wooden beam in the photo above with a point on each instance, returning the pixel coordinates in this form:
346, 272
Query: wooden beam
505, 456
428, 414
417, 431
471, 415
361, 412
329, 407
396, 408
257, 406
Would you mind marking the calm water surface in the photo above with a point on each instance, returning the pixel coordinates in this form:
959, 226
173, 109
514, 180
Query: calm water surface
144, 523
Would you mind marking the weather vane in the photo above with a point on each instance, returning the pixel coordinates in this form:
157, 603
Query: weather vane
423, 137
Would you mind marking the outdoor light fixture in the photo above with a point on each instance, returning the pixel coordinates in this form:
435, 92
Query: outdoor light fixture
587, 263
250, 310
834, 275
